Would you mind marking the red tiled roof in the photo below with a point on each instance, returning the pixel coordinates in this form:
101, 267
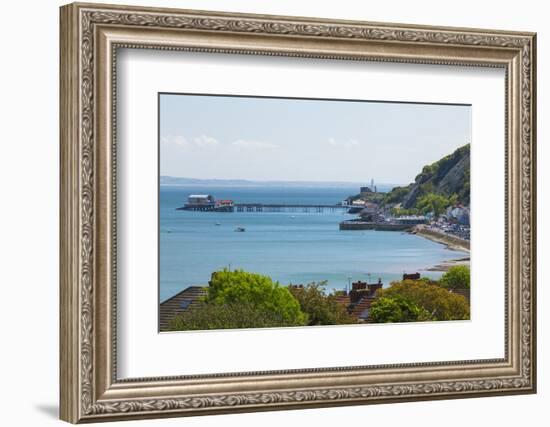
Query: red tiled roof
361, 306
343, 300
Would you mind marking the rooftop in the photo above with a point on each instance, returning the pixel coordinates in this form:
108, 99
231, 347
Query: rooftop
184, 300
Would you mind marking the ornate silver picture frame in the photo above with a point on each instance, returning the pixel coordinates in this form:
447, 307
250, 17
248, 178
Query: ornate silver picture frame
91, 36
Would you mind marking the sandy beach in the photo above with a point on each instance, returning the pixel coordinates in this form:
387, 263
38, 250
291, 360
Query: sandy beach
446, 265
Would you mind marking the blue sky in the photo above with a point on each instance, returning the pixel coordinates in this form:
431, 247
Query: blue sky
214, 137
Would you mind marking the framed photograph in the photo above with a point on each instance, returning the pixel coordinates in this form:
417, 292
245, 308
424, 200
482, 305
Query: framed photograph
267, 212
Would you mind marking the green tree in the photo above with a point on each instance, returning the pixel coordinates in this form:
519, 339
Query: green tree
225, 316
397, 309
260, 292
403, 212
453, 199
433, 202
396, 195
321, 309
436, 300
457, 277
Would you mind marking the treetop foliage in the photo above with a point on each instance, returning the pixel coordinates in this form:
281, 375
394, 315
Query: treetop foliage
457, 277
436, 300
256, 290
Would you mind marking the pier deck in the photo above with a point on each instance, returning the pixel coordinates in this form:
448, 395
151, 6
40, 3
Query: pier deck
266, 207
283, 207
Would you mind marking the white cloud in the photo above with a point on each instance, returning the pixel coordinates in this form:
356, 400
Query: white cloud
350, 143
173, 140
204, 141
201, 141
253, 145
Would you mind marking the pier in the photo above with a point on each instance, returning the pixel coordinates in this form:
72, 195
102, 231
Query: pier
265, 207
208, 203
283, 207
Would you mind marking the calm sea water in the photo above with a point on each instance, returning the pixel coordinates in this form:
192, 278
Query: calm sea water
290, 247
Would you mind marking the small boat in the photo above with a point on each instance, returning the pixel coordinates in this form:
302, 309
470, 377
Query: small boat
240, 229
218, 223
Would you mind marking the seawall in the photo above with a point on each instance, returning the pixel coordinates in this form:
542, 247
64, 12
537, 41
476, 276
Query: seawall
452, 241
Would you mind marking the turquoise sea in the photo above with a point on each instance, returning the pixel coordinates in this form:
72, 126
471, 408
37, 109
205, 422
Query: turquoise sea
290, 247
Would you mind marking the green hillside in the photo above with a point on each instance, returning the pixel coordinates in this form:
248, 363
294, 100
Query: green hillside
449, 178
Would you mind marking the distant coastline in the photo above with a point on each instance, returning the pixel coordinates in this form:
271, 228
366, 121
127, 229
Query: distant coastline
171, 181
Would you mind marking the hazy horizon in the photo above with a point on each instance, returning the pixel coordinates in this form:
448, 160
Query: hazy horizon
292, 140
282, 181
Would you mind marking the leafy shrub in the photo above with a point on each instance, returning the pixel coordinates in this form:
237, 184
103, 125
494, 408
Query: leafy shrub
457, 277
225, 316
320, 308
397, 309
436, 300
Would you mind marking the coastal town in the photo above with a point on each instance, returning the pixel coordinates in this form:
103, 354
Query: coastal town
436, 206
452, 225
449, 226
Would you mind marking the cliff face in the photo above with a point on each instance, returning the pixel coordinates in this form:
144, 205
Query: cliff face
448, 176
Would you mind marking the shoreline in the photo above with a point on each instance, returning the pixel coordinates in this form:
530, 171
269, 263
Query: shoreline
446, 265
451, 242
